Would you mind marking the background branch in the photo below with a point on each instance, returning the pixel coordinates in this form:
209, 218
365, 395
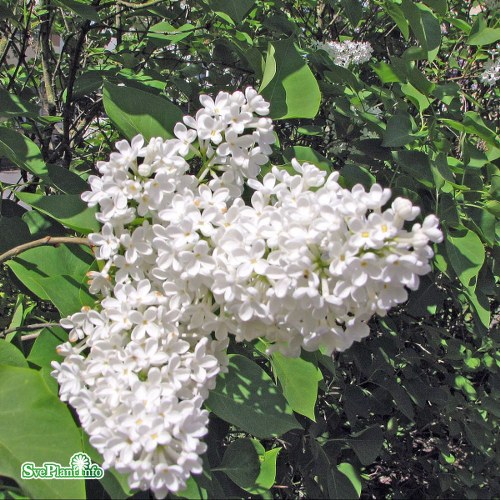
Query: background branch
48, 240
33, 326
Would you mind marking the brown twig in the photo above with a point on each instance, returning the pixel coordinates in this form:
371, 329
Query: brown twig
46, 54
48, 240
8, 45
132, 5
30, 336
22, 52
33, 326
67, 111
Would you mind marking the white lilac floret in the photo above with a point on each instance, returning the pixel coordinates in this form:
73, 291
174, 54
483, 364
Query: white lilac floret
491, 71
347, 52
185, 263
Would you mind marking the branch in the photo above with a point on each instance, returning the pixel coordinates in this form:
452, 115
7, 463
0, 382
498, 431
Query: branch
48, 240
31, 336
7, 46
132, 5
22, 52
34, 326
67, 111
45, 50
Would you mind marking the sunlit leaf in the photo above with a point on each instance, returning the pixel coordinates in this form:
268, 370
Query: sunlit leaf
247, 397
36, 427
135, 112
286, 80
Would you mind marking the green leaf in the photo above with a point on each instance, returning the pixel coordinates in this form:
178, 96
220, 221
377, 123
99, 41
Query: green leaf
165, 31
315, 130
45, 261
22, 151
400, 396
246, 396
66, 181
35, 427
333, 483
40, 226
237, 10
241, 463
466, 253
432, 33
288, 83
206, 485
386, 72
481, 34
344, 76
482, 221
479, 436
87, 83
491, 404
81, 8
148, 80
421, 82
356, 402
493, 206
416, 164
446, 92
225, 17
474, 123
459, 23
367, 444
192, 491
425, 27
135, 112
8, 14
250, 54
299, 379
480, 308
67, 294
306, 154
398, 16
352, 474
398, 131
43, 351
240, 457
17, 316
438, 6
12, 106
426, 300
353, 174
56, 274
13, 232
267, 476
68, 209
10, 355
281, 23
420, 101
465, 385
353, 10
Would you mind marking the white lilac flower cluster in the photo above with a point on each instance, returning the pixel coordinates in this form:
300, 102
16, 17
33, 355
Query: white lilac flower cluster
347, 52
141, 363
491, 72
308, 262
185, 263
